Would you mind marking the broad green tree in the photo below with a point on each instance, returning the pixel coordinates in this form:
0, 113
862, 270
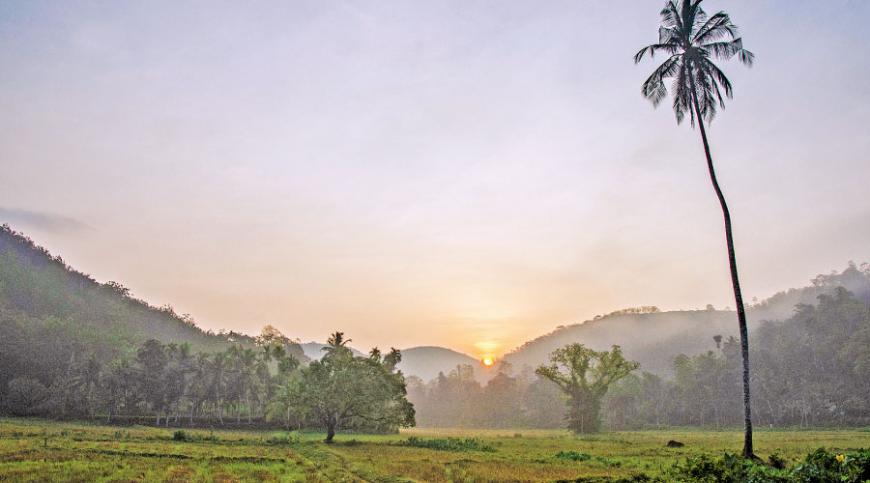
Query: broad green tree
341, 390
585, 375
691, 40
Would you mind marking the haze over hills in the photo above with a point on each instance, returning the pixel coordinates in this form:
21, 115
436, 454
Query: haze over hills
646, 335
654, 338
427, 361
39, 290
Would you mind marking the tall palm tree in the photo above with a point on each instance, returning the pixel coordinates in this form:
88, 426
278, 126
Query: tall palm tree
691, 40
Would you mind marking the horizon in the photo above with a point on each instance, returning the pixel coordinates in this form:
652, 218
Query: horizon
427, 175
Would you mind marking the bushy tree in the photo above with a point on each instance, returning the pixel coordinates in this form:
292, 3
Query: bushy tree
341, 390
585, 375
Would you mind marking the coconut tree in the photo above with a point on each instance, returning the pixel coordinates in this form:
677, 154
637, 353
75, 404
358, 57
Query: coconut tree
691, 41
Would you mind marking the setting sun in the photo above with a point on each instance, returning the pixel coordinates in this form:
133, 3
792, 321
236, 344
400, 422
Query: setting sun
488, 361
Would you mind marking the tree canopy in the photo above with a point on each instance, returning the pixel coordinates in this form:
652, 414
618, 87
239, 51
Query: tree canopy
341, 390
585, 375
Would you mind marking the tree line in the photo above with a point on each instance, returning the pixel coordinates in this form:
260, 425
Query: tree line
266, 385
809, 371
73, 348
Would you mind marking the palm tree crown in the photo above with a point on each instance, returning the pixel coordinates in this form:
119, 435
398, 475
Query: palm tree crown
692, 40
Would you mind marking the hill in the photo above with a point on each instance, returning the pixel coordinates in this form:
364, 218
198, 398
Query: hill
44, 299
654, 338
426, 362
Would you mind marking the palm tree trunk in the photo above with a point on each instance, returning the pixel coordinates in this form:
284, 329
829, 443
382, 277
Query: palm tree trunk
735, 283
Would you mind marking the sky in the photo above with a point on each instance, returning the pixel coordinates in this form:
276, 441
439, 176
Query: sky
469, 174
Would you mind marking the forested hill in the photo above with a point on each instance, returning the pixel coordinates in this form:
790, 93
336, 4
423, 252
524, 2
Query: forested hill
654, 338
43, 300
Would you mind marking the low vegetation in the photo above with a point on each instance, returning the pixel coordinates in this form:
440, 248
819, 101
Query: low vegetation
56, 451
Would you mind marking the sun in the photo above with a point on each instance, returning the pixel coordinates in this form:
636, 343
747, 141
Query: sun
488, 361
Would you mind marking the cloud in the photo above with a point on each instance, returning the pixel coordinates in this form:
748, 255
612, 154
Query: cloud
42, 221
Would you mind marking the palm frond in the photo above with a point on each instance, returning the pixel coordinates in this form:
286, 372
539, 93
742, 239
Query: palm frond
671, 15
718, 27
669, 49
714, 82
699, 18
747, 57
719, 78
682, 95
724, 50
669, 35
654, 88
691, 14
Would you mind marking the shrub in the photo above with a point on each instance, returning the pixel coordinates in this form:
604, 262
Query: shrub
820, 466
824, 466
727, 469
450, 444
179, 435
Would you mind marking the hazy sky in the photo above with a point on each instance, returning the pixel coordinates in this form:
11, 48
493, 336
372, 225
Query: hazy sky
467, 173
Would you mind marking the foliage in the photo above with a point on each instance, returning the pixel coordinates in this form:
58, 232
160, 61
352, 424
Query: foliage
342, 390
824, 466
585, 375
809, 370
644, 309
85, 342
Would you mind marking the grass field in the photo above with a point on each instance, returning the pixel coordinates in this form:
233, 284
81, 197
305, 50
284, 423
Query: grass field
36, 450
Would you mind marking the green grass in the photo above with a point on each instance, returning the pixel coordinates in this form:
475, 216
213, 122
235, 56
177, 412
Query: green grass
36, 450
